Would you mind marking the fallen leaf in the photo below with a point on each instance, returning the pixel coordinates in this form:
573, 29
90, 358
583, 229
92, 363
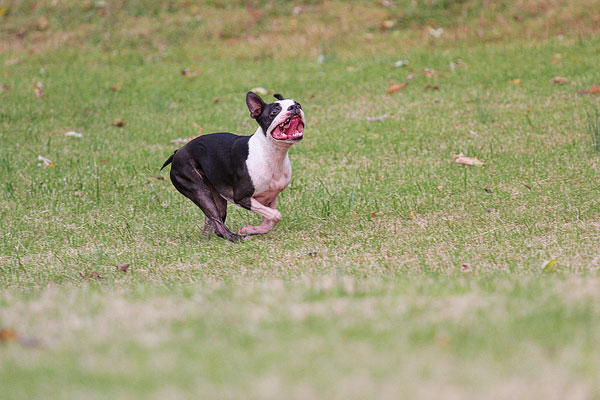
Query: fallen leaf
456, 64
388, 24
549, 266
515, 81
592, 90
92, 274
377, 118
119, 122
462, 159
434, 87
159, 178
396, 88
123, 267
466, 267
216, 100
259, 90
436, 33
45, 162
74, 134
8, 335
116, 87
376, 214
42, 23
428, 72
5, 88
559, 79
3, 11
376, 135
37, 88
189, 74
180, 140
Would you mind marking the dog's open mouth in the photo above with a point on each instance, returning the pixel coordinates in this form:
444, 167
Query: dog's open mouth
290, 129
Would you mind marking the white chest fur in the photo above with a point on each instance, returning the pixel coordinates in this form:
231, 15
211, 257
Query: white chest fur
269, 167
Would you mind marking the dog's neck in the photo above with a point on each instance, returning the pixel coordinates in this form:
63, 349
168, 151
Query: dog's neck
274, 150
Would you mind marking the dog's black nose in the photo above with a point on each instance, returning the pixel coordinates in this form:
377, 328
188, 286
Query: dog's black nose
294, 108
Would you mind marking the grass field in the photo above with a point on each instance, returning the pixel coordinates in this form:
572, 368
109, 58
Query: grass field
361, 291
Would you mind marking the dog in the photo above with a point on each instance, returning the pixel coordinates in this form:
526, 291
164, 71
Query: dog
248, 171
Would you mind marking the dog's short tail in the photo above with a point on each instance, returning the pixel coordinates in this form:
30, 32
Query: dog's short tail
169, 160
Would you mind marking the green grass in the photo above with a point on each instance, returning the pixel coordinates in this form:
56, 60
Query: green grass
358, 292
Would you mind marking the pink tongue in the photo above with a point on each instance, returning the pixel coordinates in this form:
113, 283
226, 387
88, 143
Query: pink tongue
291, 128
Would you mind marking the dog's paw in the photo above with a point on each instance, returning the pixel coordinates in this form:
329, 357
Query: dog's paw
255, 230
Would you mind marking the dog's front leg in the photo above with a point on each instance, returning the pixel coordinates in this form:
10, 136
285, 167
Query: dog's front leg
271, 217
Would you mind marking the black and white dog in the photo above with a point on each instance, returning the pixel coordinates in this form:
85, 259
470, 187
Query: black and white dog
249, 171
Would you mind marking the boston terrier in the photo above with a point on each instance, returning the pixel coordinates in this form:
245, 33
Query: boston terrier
248, 171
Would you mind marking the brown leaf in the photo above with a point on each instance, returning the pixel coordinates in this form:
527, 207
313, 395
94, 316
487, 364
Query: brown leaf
92, 274
434, 87
42, 23
5, 88
123, 267
116, 87
592, 90
375, 214
8, 335
559, 79
515, 82
462, 159
37, 88
396, 88
189, 74
428, 72
466, 267
387, 24
216, 100
119, 122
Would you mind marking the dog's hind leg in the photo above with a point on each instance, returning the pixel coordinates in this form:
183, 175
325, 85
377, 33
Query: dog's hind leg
192, 184
221, 204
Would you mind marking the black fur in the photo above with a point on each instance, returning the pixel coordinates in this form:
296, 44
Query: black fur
169, 160
263, 113
209, 169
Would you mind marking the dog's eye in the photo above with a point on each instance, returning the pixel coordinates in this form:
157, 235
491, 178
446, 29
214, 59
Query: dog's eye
274, 112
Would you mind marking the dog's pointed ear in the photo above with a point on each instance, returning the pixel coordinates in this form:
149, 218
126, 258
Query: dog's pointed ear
255, 104
278, 96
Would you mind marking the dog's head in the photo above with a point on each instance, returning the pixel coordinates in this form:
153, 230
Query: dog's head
282, 121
